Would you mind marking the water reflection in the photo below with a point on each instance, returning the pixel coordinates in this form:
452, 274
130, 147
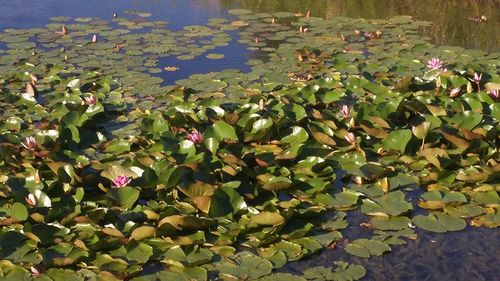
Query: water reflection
26, 13
450, 17
451, 26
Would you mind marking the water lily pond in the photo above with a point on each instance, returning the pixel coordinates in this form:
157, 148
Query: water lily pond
235, 140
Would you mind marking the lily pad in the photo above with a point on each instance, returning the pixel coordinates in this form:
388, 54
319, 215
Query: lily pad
439, 222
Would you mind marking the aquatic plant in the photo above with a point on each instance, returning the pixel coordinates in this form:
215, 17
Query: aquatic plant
195, 137
281, 164
121, 181
435, 63
90, 100
494, 92
30, 143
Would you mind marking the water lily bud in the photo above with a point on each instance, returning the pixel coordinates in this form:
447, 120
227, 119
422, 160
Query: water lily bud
308, 14
34, 79
94, 38
121, 181
345, 110
34, 271
30, 143
477, 77
350, 138
37, 177
273, 20
31, 200
358, 180
195, 137
90, 100
30, 89
494, 92
455, 92
261, 104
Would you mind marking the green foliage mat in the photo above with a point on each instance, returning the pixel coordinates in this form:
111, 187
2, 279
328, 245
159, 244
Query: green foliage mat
230, 175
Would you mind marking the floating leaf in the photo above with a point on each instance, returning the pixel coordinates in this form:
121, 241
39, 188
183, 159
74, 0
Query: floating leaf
19, 211
392, 204
221, 130
421, 130
268, 218
367, 247
397, 140
143, 232
215, 56
439, 222
390, 223
126, 196
298, 135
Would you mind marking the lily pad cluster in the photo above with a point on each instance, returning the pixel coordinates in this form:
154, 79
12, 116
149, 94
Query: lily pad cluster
126, 47
230, 175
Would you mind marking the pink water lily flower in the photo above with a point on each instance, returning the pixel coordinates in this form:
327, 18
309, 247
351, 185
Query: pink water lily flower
30, 143
435, 63
90, 100
121, 181
345, 110
94, 38
477, 77
195, 137
350, 138
477, 80
493, 92
454, 92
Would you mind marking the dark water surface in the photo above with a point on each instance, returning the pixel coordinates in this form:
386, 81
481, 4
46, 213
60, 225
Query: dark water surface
472, 254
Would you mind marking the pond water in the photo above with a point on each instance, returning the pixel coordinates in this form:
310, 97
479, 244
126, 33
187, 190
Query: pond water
450, 24
449, 17
471, 254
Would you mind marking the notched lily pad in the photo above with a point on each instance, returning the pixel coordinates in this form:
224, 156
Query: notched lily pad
439, 222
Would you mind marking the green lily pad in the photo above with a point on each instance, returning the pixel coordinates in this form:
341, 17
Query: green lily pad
221, 131
397, 140
215, 56
392, 204
439, 222
268, 218
367, 247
